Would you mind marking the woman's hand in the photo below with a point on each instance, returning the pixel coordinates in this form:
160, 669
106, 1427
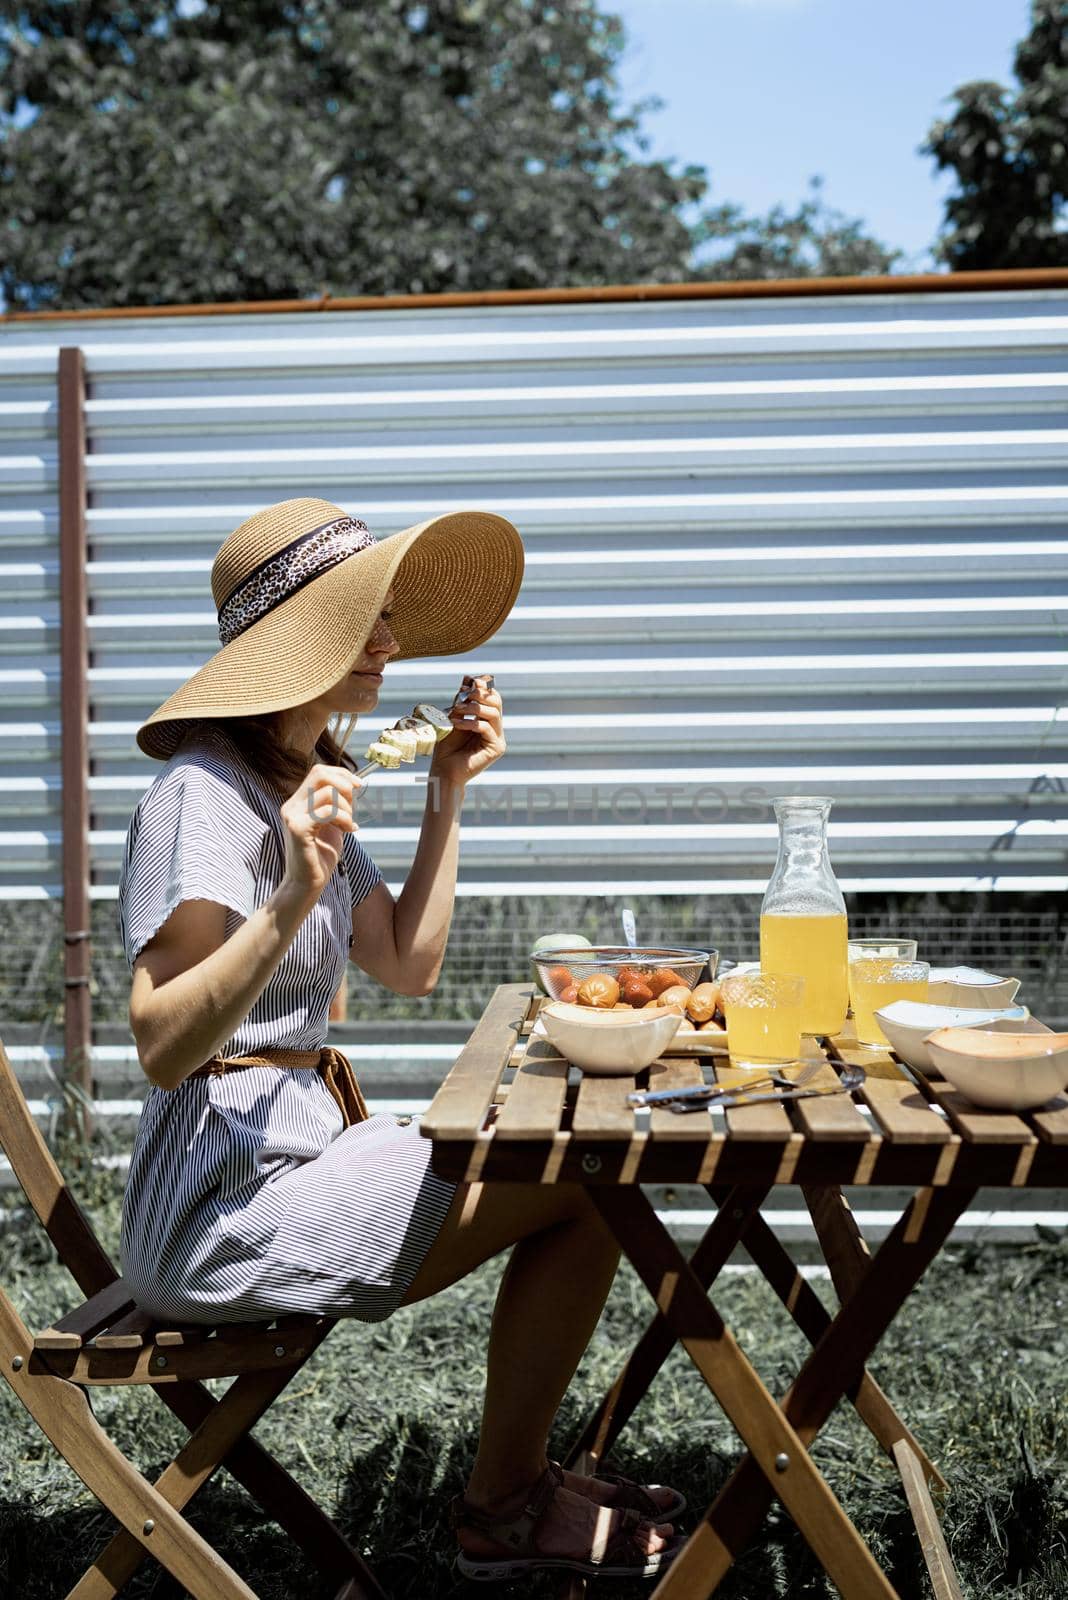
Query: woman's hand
477, 737
315, 817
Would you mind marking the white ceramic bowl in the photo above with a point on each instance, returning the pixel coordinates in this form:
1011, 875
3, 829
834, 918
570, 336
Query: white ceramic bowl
907, 1023
968, 987
613, 1044
1006, 1071
737, 970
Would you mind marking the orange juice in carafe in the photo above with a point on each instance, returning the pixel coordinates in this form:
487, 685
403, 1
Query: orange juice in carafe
803, 917
813, 947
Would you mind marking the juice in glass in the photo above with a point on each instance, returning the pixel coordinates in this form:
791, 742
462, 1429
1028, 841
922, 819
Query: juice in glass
763, 1012
877, 981
814, 947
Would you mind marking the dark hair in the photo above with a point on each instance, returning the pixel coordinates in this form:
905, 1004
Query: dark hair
281, 766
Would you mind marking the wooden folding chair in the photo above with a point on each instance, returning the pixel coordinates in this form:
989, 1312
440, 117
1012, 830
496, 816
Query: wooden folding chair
107, 1340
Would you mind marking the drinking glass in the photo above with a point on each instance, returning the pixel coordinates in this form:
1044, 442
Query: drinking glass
903, 948
763, 1012
877, 981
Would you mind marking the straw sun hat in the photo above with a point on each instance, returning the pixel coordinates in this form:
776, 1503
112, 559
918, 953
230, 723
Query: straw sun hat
299, 587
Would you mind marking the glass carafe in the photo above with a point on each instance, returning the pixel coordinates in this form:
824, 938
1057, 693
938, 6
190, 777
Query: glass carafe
803, 915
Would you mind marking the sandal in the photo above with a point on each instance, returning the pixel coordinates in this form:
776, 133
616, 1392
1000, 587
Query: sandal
622, 1557
631, 1496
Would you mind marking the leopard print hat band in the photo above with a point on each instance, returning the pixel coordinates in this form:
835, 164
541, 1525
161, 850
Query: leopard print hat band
282, 574
295, 613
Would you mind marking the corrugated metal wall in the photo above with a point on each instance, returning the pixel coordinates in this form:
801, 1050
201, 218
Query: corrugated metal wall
774, 546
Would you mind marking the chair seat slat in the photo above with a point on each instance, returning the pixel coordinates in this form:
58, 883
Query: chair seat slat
182, 1333
70, 1332
235, 1348
128, 1332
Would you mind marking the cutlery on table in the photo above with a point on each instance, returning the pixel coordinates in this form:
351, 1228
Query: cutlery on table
718, 1097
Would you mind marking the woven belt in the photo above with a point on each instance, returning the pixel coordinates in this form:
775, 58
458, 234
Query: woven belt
333, 1066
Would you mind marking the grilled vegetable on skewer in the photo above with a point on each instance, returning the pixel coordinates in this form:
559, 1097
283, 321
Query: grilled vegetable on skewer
410, 736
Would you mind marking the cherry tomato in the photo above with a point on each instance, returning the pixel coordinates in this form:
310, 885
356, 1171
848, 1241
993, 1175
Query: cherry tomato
635, 991
664, 978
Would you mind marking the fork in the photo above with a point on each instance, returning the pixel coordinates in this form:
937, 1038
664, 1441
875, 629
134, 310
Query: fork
775, 1080
850, 1078
704, 1092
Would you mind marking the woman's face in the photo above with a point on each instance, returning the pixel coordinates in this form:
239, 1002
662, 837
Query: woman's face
359, 690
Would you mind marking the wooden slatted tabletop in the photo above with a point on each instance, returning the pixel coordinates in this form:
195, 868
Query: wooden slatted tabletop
513, 1108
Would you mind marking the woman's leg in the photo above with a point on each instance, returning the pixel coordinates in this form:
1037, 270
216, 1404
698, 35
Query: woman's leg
548, 1304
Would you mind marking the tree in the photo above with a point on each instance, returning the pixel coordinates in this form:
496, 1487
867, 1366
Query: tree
158, 151
815, 241
1009, 150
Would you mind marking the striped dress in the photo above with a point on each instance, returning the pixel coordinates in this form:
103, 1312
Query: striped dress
246, 1197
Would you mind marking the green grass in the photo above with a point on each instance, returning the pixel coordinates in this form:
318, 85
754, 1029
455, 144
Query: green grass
381, 1424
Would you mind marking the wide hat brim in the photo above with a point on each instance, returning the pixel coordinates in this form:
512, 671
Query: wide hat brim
455, 579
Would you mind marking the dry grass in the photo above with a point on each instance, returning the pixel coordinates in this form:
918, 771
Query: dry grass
381, 1424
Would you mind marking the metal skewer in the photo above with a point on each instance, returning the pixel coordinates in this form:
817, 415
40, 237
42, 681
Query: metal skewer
373, 766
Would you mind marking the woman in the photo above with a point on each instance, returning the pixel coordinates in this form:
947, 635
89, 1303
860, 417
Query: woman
258, 1184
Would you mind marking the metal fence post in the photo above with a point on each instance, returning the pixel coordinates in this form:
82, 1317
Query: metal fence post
74, 723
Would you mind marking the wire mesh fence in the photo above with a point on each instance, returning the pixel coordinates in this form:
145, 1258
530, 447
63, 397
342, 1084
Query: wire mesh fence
491, 938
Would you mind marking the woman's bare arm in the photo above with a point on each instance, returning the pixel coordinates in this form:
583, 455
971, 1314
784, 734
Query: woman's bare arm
401, 943
192, 987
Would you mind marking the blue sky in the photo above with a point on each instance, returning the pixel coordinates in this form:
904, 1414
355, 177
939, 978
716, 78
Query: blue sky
766, 93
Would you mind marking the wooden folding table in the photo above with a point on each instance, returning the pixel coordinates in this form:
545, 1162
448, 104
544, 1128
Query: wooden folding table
512, 1110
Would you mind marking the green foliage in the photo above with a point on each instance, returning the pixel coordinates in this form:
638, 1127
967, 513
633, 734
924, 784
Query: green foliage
268, 150
1009, 150
380, 1427
813, 241
154, 152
